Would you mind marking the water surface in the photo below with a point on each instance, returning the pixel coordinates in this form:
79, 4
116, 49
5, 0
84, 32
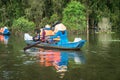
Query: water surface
99, 59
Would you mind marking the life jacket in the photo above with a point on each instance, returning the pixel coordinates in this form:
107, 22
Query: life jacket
1, 38
48, 33
56, 39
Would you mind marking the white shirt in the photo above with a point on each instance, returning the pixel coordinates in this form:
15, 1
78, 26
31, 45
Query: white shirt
27, 37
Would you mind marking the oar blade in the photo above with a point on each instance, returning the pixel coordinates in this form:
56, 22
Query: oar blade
27, 47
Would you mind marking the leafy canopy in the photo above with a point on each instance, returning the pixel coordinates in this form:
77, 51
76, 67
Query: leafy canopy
74, 16
23, 24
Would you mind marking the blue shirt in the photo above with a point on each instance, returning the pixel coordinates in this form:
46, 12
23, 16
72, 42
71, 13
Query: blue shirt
62, 35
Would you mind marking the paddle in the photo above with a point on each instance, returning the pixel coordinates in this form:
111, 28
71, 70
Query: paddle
32, 45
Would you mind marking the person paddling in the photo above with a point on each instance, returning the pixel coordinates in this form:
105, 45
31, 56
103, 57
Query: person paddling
37, 35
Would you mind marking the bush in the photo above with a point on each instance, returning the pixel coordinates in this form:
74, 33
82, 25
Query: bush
43, 22
74, 16
1, 24
50, 21
22, 24
54, 18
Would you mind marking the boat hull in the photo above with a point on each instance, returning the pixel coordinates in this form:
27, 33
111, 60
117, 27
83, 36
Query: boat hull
4, 33
68, 46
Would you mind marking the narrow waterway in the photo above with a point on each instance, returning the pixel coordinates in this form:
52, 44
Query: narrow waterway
99, 59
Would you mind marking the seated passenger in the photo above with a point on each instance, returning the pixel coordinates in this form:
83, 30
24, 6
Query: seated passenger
60, 31
37, 35
58, 26
62, 35
48, 30
6, 31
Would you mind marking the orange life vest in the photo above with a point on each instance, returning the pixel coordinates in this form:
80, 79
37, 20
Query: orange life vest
2, 30
48, 33
1, 38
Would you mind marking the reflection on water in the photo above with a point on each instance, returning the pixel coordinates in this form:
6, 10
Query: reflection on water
98, 60
4, 39
59, 60
104, 39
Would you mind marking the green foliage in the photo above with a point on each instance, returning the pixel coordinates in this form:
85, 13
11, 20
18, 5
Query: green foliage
115, 14
57, 6
1, 25
104, 8
74, 16
22, 24
54, 18
9, 10
35, 11
50, 21
44, 21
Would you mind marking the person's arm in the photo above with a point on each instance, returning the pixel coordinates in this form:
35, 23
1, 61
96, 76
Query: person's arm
56, 35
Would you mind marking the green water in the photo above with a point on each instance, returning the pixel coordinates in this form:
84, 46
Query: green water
99, 59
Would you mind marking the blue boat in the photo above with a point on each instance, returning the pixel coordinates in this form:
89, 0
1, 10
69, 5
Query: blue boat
66, 46
5, 32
